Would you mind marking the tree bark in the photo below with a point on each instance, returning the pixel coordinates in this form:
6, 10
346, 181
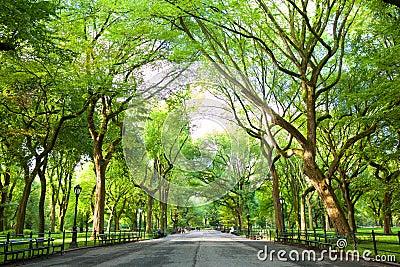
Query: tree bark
135, 220
350, 215
387, 213
100, 194
116, 222
163, 216
42, 177
63, 204
332, 207
310, 217
327, 223
303, 223
149, 211
4, 189
321, 184
304, 200
109, 222
21, 211
275, 195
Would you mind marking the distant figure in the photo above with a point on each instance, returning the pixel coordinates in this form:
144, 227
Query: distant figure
160, 233
232, 230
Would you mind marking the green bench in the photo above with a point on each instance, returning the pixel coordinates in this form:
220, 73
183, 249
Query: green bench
42, 245
312, 239
17, 247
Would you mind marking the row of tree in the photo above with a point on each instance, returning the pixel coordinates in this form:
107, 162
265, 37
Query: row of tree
313, 84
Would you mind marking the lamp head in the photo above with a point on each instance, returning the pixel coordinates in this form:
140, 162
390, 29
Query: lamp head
77, 190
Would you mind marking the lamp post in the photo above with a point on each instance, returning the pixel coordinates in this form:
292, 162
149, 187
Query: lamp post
77, 191
248, 225
282, 201
140, 222
144, 226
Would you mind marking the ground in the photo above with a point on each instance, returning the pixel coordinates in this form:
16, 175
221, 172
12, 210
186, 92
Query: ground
197, 248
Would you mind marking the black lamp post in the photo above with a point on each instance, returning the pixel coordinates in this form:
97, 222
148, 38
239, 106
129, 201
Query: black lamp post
144, 225
248, 225
77, 191
282, 201
140, 221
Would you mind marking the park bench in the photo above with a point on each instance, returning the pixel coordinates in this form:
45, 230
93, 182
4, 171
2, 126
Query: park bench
311, 239
17, 247
57, 244
54, 246
112, 238
107, 239
285, 236
320, 240
42, 245
126, 237
3, 246
103, 239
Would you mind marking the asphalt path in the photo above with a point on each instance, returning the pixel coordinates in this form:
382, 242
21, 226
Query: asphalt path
197, 249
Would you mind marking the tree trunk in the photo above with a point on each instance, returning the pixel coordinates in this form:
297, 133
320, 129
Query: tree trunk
275, 196
387, 213
135, 221
100, 194
41, 204
164, 216
66, 190
116, 223
310, 217
332, 206
42, 177
163, 205
240, 221
109, 222
4, 189
349, 203
303, 222
53, 217
296, 210
149, 210
311, 169
327, 223
351, 218
326, 193
305, 199
21, 211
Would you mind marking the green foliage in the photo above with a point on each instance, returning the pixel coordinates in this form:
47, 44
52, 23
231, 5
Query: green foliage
24, 22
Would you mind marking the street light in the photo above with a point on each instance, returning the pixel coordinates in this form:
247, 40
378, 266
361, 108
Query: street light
282, 201
77, 191
248, 225
140, 221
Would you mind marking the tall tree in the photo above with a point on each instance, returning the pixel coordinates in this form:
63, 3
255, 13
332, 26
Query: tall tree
35, 100
116, 40
305, 41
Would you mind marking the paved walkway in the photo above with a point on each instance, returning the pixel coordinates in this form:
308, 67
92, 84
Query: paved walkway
201, 248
